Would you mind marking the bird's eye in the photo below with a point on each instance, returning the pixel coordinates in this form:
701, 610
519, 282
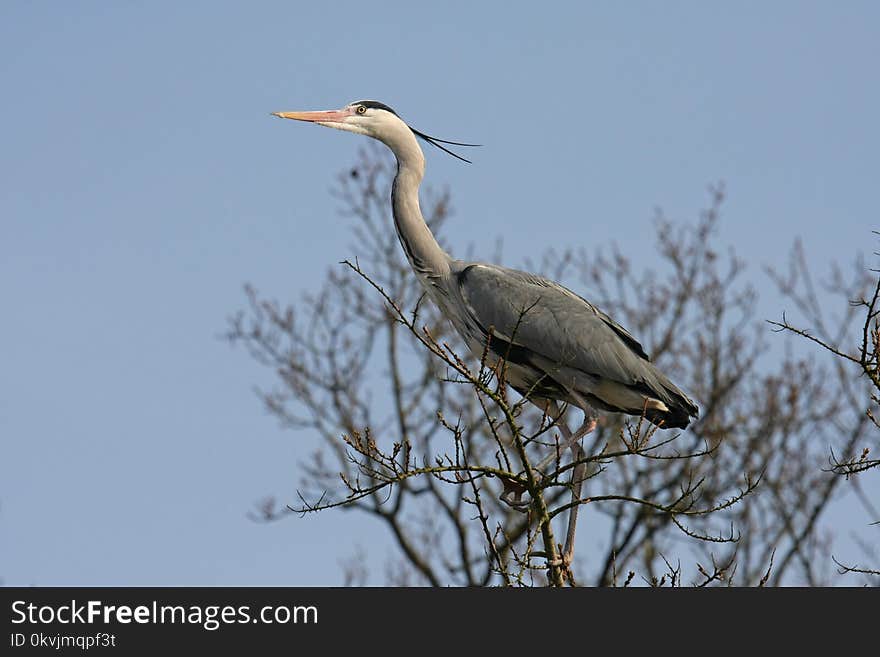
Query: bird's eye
361, 109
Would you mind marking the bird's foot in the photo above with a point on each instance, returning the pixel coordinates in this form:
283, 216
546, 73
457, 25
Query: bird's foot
512, 495
514, 502
563, 562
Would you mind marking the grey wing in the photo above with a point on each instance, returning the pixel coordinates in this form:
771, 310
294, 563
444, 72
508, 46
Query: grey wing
535, 313
565, 336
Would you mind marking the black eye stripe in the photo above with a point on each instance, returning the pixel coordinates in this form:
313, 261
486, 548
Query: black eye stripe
375, 104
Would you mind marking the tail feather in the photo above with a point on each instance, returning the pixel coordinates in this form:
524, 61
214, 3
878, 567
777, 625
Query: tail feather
680, 409
662, 404
677, 417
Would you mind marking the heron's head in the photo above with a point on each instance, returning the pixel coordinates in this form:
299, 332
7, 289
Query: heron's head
373, 119
364, 117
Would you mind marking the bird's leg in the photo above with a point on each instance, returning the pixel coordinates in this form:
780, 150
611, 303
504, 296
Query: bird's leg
578, 473
577, 484
512, 494
569, 439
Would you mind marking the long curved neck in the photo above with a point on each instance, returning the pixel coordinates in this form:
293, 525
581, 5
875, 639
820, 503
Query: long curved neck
422, 250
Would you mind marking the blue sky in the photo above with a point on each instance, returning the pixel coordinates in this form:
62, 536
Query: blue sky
142, 182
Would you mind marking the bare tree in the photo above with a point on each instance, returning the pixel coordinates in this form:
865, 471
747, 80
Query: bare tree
433, 446
852, 344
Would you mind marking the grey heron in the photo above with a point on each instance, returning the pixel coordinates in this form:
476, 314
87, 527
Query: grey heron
556, 345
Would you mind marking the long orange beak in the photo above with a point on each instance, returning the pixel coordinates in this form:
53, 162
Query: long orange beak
327, 116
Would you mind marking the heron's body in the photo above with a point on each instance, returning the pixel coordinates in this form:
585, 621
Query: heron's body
555, 344
559, 346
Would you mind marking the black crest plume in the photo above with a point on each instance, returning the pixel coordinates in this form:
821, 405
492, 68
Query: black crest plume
434, 141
